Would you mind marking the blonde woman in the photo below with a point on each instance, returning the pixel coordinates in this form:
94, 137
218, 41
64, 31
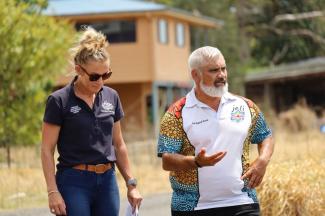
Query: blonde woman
83, 121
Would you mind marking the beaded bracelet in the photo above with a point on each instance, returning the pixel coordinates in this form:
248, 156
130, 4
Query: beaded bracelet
197, 163
52, 191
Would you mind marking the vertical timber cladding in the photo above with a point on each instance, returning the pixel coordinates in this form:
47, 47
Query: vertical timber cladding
284, 86
312, 88
131, 95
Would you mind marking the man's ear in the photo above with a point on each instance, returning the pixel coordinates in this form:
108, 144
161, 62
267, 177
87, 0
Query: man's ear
196, 75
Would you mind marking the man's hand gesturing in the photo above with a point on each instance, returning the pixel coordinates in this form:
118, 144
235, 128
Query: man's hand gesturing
205, 160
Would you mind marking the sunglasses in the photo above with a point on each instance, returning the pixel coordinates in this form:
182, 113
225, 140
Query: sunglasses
95, 76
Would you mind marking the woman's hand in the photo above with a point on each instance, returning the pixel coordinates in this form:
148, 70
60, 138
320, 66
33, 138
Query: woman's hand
56, 204
134, 197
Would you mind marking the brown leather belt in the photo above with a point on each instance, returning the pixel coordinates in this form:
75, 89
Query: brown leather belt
98, 168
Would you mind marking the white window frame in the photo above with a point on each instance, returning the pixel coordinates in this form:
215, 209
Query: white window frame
180, 34
163, 31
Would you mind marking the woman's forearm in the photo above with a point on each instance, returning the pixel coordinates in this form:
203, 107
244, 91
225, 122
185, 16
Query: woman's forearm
122, 161
50, 134
49, 169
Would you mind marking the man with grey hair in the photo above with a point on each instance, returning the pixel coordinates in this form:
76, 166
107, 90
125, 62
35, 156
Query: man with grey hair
204, 142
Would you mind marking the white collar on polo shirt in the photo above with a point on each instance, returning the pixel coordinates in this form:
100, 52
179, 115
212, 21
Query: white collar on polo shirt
192, 101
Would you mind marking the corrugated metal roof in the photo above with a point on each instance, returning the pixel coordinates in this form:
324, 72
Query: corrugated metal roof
84, 7
99, 7
301, 68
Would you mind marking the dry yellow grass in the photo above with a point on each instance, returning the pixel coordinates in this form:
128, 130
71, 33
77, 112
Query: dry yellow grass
152, 180
299, 118
293, 185
21, 188
297, 146
294, 188
146, 166
23, 185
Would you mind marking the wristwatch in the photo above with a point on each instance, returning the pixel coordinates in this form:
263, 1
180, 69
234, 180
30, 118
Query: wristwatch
132, 182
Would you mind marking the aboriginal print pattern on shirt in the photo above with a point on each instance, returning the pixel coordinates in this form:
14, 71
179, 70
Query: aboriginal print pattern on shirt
258, 131
173, 139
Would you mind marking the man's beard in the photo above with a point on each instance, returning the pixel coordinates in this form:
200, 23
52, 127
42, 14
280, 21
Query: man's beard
213, 91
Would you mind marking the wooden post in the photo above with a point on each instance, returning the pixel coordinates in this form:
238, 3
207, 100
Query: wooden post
8, 155
155, 107
267, 96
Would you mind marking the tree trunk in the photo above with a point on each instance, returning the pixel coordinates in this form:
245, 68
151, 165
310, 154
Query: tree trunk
244, 54
8, 156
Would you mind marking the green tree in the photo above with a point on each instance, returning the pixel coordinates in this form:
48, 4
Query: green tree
283, 31
259, 33
34, 4
33, 51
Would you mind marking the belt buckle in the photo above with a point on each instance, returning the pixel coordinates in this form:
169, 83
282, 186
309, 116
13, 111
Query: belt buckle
97, 166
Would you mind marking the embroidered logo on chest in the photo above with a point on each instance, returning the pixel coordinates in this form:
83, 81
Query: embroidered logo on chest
75, 109
200, 122
237, 114
107, 107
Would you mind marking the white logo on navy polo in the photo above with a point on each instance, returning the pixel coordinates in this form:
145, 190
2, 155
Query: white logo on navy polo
107, 107
75, 109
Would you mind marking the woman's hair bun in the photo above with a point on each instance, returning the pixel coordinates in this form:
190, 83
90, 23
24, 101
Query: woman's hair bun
91, 45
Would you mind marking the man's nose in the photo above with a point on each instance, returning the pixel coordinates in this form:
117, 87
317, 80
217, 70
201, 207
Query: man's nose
221, 74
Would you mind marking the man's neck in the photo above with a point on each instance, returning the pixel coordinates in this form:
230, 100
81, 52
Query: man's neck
212, 102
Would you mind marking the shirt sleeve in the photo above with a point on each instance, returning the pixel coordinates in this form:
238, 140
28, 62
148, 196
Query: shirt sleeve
170, 136
118, 109
261, 130
53, 111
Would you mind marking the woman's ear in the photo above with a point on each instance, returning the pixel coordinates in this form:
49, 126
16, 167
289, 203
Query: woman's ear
77, 68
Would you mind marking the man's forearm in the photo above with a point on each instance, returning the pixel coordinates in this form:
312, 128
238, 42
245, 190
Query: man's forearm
265, 149
178, 162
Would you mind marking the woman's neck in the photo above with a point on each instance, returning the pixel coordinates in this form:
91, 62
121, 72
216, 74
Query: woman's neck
81, 90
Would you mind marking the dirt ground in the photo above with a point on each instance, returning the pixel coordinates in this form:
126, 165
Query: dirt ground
157, 205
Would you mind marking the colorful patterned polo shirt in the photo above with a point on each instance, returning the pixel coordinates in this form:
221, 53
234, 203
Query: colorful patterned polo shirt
190, 125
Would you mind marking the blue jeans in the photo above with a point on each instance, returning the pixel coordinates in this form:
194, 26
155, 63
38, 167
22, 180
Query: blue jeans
89, 194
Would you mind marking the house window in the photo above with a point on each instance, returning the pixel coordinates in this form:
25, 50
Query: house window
180, 35
163, 31
117, 31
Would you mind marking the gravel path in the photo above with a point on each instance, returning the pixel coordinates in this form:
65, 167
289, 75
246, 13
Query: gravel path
156, 205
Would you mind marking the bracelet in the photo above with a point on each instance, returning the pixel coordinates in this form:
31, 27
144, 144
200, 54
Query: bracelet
197, 163
52, 191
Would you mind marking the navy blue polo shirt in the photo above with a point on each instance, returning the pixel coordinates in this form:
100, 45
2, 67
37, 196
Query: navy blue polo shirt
86, 134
